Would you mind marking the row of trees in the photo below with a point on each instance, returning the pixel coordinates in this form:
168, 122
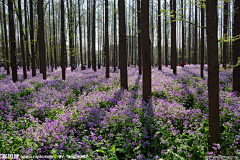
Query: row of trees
140, 39
86, 20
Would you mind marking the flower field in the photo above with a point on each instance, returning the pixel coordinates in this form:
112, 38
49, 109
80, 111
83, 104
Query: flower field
90, 115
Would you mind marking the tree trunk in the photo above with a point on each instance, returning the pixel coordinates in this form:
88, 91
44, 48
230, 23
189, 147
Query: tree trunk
19, 15
159, 37
6, 38
42, 50
115, 49
173, 38
80, 35
106, 39
195, 36
225, 33
139, 38
63, 42
26, 35
189, 32
93, 38
122, 45
235, 48
202, 40
54, 38
166, 37
32, 40
12, 41
146, 51
183, 35
88, 34
213, 73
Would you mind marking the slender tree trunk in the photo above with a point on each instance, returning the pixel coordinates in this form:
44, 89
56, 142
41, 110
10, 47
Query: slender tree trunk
225, 33
42, 49
213, 73
50, 39
189, 32
115, 49
106, 39
159, 37
139, 37
166, 37
63, 42
32, 40
80, 35
12, 41
54, 37
26, 35
93, 38
195, 36
173, 38
122, 45
88, 34
183, 35
6, 38
22, 39
146, 51
235, 48
202, 40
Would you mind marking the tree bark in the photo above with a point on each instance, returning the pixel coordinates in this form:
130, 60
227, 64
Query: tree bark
12, 41
63, 42
183, 35
195, 36
139, 37
166, 37
173, 38
213, 73
26, 35
202, 40
146, 51
54, 38
6, 38
42, 50
235, 48
93, 39
19, 15
32, 40
106, 39
159, 37
225, 33
122, 45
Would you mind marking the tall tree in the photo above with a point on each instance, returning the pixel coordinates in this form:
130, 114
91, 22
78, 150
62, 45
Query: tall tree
213, 72
88, 33
71, 36
122, 45
173, 37
19, 15
195, 35
6, 38
166, 36
114, 34
26, 35
225, 17
189, 32
139, 37
159, 37
32, 39
42, 50
80, 34
235, 48
146, 51
183, 35
106, 39
202, 37
93, 38
63, 42
54, 37
12, 41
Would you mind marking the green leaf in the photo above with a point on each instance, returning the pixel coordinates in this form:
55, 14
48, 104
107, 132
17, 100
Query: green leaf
120, 150
101, 151
113, 149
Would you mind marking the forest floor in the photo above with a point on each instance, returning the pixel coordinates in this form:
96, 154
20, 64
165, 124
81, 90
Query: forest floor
90, 117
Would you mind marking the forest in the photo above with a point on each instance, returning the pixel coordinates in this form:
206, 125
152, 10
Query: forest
120, 79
